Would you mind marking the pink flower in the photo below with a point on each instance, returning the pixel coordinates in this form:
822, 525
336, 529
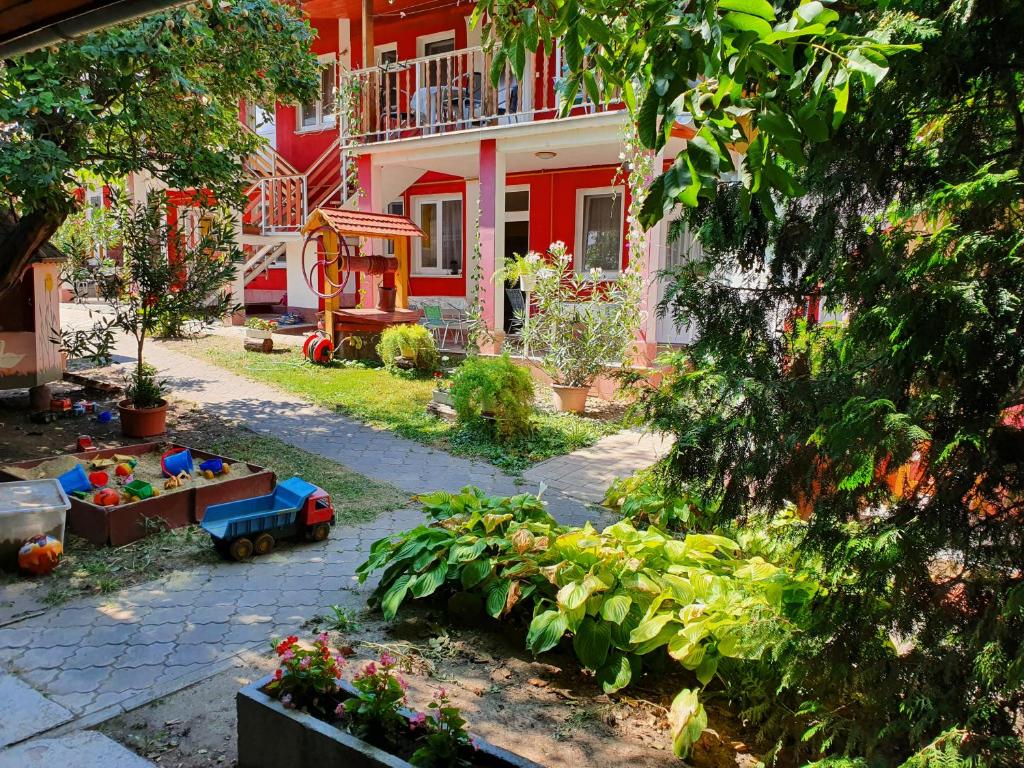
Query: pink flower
417, 721
402, 682
387, 660
288, 655
370, 669
340, 710
442, 693
323, 638
304, 664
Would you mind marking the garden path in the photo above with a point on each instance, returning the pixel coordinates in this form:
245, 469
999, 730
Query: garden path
98, 657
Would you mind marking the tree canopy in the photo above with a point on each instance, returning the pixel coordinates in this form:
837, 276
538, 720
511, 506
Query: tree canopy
160, 95
880, 151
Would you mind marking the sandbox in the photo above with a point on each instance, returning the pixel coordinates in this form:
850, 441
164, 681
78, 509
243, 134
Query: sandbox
173, 508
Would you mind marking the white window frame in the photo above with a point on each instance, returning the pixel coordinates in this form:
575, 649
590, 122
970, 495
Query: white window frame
398, 202
324, 120
581, 194
436, 37
519, 215
384, 48
416, 204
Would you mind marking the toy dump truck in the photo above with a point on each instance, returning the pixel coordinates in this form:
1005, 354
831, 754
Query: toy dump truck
295, 510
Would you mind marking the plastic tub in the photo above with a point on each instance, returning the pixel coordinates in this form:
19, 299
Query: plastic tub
29, 508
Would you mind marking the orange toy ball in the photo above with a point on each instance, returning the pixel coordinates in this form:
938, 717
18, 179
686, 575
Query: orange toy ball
122, 470
108, 497
40, 555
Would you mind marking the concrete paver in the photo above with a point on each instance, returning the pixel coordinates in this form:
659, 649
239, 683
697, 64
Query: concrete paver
26, 711
85, 748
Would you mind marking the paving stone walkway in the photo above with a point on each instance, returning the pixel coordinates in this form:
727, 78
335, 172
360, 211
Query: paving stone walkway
98, 657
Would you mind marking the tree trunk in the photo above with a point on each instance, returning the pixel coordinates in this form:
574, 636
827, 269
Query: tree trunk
20, 244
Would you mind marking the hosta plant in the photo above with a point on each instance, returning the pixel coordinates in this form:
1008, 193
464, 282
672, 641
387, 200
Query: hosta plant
620, 594
644, 500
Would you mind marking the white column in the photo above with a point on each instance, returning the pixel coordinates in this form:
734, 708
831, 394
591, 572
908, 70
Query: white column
299, 293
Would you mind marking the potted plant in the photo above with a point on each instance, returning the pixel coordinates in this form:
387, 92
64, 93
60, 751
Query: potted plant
259, 329
524, 269
166, 276
442, 393
304, 715
583, 325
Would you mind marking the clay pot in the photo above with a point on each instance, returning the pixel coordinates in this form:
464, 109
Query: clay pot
387, 299
570, 399
142, 422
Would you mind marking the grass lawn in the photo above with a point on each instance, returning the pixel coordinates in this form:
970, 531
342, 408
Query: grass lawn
375, 397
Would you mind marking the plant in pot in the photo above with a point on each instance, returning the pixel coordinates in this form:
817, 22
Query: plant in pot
494, 390
167, 275
408, 348
584, 324
523, 269
260, 329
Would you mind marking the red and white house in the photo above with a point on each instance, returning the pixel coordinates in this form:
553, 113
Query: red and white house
429, 136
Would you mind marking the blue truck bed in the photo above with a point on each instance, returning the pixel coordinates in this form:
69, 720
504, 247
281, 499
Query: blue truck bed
259, 513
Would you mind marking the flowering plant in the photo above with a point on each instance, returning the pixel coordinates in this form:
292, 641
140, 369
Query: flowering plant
373, 711
583, 323
307, 677
444, 735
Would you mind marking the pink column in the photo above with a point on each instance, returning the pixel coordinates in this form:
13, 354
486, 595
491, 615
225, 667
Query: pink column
492, 206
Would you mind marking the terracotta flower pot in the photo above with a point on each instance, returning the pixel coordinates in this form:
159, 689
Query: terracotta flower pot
570, 399
142, 422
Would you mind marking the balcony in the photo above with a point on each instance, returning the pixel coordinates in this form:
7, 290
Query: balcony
451, 92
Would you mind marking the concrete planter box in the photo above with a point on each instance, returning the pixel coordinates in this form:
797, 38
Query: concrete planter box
270, 736
259, 334
443, 397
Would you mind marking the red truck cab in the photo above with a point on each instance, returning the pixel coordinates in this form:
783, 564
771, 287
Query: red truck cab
317, 509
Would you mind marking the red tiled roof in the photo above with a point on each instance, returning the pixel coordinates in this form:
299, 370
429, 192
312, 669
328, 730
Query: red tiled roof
347, 222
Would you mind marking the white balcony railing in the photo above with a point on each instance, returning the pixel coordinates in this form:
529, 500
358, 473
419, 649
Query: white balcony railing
451, 92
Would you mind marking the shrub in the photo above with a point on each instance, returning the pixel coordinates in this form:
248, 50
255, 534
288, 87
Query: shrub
484, 386
259, 324
413, 342
645, 499
625, 596
143, 387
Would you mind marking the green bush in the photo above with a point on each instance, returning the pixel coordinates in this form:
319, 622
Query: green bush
485, 386
646, 499
626, 597
409, 341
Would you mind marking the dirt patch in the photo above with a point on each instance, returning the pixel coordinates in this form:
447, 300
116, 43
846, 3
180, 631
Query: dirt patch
545, 709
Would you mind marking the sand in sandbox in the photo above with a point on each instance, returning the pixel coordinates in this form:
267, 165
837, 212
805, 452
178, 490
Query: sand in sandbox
148, 469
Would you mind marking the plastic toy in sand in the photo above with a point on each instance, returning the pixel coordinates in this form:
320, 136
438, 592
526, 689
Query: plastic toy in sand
318, 348
176, 461
99, 479
138, 490
84, 443
213, 467
106, 497
60, 405
177, 481
75, 479
104, 417
40, 555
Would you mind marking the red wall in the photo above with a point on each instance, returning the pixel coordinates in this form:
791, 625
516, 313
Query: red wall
394, 29
301, 149
275, 279
552, 215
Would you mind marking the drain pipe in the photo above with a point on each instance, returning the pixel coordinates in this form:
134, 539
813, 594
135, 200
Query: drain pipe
82, 24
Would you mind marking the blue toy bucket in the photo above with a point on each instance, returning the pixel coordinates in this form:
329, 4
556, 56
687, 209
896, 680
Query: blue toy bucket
75, 480
174, 464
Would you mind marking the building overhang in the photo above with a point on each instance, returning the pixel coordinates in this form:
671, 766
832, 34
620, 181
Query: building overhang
27, 25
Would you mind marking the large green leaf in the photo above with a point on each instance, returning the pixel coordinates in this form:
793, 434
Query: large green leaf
475, 572
687, 720
394, 596
617, 672
546, 630
427, 582
615, 608
497, 596
591, 642
761, 8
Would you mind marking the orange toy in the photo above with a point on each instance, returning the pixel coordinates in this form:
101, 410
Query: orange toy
39, 555
123, 470
108, 497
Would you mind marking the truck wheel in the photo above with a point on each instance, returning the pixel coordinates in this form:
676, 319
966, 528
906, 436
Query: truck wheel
319, 532
240, 549
264, 544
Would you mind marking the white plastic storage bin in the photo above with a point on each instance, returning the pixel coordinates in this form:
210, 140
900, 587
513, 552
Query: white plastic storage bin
29, 508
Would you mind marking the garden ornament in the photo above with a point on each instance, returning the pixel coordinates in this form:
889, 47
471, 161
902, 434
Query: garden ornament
40, 555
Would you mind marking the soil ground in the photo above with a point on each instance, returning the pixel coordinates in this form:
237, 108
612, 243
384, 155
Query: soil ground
545, 709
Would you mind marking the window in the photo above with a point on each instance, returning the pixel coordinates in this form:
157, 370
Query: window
397, 208
320, 113
436, 70
599, 230
439, 251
